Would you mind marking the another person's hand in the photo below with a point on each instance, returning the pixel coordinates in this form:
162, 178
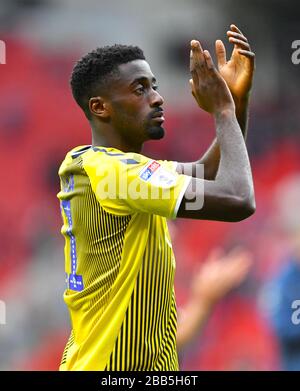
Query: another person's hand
220, 274
208, 86
238, 71
214, 279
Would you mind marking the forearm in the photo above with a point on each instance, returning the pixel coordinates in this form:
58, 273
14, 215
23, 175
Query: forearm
234, 166
211, 158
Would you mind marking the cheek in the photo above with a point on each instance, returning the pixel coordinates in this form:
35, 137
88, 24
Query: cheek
137, 113
125, 118
130, 108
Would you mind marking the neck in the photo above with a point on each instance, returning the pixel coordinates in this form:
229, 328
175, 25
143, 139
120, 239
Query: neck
109, 138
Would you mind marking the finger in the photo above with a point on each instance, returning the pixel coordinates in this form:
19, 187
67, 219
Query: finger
243, 260
237, 35
246, 53
237, 252
208, 59
195, 77
197, 54
238, 42
221, 53
241, 267
215, 255
240, 260
233, 27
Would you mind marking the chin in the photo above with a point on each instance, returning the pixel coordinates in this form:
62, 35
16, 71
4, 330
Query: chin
156, 132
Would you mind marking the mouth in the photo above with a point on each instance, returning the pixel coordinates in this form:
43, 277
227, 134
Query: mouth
158, 116
158, 119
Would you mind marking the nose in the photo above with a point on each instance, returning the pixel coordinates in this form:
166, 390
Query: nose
156, 99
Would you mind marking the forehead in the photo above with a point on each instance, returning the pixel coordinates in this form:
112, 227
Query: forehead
134, 70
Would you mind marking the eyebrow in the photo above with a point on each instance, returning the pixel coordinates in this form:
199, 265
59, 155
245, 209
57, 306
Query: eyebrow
142, 79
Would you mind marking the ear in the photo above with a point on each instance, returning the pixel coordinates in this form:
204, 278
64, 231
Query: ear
99, 107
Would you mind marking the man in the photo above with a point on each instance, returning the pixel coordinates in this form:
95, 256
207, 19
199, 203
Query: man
114, 201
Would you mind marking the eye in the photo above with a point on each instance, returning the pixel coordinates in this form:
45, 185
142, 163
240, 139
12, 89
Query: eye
140, 90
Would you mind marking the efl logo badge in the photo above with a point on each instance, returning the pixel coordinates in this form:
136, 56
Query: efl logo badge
149, 170
157, 175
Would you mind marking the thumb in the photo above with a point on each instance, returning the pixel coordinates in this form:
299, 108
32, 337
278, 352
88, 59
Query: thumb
192, 87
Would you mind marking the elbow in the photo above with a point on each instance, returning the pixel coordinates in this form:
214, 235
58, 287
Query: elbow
251, 205
244, 208
248, 209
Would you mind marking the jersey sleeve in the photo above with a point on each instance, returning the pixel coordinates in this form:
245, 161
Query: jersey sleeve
125, 185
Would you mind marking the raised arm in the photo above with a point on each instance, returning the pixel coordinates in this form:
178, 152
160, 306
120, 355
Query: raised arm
238, 74
230, 196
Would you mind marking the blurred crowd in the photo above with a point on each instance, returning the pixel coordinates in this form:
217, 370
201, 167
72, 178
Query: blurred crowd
252, 324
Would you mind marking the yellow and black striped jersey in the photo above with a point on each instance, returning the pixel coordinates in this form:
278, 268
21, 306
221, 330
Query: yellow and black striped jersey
119, 261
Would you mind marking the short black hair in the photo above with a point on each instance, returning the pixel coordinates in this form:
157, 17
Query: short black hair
92, 71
